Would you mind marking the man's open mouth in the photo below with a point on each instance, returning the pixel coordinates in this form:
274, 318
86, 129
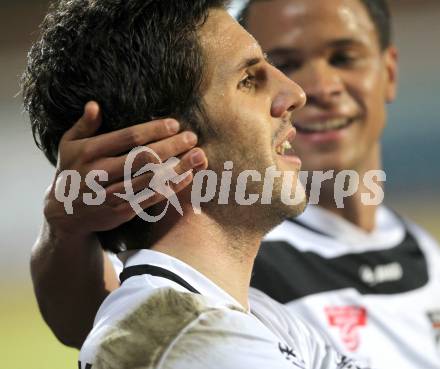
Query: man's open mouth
283, 145
324, 125
281, 149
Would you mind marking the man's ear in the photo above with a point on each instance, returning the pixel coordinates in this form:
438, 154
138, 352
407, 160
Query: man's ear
391, 57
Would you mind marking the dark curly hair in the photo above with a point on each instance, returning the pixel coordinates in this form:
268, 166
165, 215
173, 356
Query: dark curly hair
378, 10
139, 59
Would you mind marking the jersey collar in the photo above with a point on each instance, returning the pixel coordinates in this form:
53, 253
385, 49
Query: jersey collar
388, 226
193, 277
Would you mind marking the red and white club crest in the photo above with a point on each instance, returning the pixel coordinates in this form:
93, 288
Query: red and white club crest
348, 319
434, 317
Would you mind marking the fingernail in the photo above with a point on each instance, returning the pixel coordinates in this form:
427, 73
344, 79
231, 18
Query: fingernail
190, 138
172, 125
197, 158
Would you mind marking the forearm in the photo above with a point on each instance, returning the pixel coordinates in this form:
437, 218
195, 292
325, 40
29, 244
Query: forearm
71, 278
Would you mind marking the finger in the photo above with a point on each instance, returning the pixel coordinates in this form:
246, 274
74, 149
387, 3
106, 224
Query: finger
174, 146
169, 147
194, 159
121, 141
176, 187
139, 184
143, 181
87, 125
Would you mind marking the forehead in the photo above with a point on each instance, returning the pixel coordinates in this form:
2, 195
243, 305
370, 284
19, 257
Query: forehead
310, 21
225, 43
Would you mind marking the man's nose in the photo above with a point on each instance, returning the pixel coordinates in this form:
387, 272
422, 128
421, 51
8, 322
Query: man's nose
288, 96
322, 84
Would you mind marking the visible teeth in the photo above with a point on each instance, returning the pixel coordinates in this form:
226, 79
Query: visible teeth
283, 147
286, 145
323, 126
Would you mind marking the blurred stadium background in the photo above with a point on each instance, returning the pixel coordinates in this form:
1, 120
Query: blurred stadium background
411, 149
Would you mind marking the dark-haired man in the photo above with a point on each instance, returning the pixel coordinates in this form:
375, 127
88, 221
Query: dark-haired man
359, 272
183, 302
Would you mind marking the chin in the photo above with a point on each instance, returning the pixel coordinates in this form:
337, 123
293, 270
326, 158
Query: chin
278, 213
281, 210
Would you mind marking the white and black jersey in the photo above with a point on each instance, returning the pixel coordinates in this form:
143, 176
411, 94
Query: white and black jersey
376, 295
167, 315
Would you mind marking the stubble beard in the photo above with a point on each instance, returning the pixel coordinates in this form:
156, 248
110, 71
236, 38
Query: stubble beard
257, 218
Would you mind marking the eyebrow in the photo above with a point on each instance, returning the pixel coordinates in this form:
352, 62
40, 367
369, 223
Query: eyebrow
339, 43
344, 42
249, 62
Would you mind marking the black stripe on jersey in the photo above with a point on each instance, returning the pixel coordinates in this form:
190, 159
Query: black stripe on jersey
156, 271
286, 274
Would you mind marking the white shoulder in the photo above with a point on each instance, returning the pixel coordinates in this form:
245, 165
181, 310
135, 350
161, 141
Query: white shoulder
226, 339
116, 307
172, 329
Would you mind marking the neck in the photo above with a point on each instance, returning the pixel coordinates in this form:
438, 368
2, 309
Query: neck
354, 210
225, 257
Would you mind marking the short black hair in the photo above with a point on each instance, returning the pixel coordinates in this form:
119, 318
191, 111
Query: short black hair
378, 10
139, 59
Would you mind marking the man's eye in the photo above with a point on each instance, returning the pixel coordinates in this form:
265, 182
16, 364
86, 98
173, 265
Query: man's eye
288, 66
247, 82
343, 60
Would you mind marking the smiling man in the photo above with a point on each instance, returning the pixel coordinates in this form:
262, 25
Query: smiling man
183, 302
362, 274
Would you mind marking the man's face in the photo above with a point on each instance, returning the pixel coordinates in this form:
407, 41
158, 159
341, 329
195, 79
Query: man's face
331, 49
249, 104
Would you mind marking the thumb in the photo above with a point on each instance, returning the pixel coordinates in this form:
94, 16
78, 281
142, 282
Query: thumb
87, 125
